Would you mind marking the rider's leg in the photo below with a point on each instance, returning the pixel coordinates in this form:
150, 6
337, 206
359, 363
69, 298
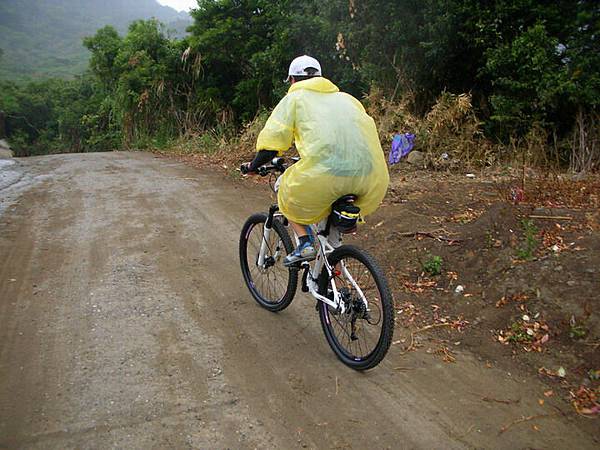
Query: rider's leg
305, 250
300, 230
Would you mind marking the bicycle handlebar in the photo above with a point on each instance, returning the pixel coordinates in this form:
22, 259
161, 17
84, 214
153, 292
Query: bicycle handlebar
276, 165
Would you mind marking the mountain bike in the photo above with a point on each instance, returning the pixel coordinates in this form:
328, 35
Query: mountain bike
354, 301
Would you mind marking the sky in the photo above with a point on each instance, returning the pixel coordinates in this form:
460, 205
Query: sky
179, 5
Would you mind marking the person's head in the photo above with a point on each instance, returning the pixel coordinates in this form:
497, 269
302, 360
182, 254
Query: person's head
303, 68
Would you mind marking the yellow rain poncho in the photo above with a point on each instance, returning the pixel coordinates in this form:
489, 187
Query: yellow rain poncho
339, 147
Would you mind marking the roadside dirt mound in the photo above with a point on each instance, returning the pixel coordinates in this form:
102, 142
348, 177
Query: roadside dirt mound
515, 284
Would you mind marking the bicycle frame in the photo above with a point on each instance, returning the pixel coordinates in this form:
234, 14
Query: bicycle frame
325, 248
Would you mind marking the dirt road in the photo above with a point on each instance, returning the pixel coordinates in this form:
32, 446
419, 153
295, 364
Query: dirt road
124, 323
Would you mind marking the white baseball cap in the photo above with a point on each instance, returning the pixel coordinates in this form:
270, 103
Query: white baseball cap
301, 63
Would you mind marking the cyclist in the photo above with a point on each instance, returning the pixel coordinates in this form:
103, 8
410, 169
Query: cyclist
339, 149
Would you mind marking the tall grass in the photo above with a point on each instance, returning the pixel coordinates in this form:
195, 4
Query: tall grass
450, 135
450, 127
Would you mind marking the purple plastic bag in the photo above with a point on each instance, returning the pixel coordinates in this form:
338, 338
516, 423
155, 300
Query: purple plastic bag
402, 144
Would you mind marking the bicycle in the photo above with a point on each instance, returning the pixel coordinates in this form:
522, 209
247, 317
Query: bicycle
354, 300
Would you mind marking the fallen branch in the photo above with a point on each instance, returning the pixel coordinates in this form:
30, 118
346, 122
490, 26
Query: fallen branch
429, 234
419, 330
415, 233
552, 217
446, 354
525, 419
433, 325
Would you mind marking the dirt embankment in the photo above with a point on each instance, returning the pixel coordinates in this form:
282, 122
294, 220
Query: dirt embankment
511, 274
124, 321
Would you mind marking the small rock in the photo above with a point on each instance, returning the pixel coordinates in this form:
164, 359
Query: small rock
558, 268
470, 175
415, 157
561, 372
571, 283
459, 289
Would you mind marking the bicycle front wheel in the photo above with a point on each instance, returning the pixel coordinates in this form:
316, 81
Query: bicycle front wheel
361, 336
272, 285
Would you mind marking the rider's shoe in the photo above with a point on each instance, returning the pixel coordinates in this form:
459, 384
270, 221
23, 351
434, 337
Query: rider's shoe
304, 252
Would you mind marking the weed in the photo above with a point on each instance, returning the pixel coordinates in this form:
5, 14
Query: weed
489, 239
519, 333
577, 330
527, 250
208, 143
433, 265
532, 335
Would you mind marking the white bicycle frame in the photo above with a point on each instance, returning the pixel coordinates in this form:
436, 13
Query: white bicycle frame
326, 246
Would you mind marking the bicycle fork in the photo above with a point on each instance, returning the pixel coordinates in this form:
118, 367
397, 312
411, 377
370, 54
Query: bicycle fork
264, 245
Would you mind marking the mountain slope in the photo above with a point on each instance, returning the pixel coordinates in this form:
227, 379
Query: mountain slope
42, 38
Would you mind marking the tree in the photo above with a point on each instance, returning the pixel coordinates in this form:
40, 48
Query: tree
528, 81
104, 47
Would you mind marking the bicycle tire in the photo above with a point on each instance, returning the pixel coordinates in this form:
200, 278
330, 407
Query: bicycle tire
328, 318
268, 300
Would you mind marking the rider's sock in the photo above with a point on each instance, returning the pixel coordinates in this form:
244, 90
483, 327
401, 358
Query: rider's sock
309, 233
305, 239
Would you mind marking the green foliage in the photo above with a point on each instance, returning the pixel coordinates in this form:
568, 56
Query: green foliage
577, 329
57, 116
519, 334
245, 48
528, 81
510, 69
433, 265
104, 46
43, 38
530, 242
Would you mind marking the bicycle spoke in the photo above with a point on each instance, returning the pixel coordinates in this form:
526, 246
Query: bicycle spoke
366, 331
271, 281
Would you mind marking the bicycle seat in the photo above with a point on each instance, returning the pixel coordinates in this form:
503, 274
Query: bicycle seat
345, 214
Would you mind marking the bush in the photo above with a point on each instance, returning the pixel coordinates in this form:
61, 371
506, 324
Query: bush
433, 265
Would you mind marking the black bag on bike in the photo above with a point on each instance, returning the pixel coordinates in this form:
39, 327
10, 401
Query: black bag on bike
344, 216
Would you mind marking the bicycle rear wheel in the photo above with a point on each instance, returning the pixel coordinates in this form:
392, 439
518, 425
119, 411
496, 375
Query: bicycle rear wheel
273, 286
360, 337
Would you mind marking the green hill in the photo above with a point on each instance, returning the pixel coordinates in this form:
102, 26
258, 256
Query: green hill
43, 38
